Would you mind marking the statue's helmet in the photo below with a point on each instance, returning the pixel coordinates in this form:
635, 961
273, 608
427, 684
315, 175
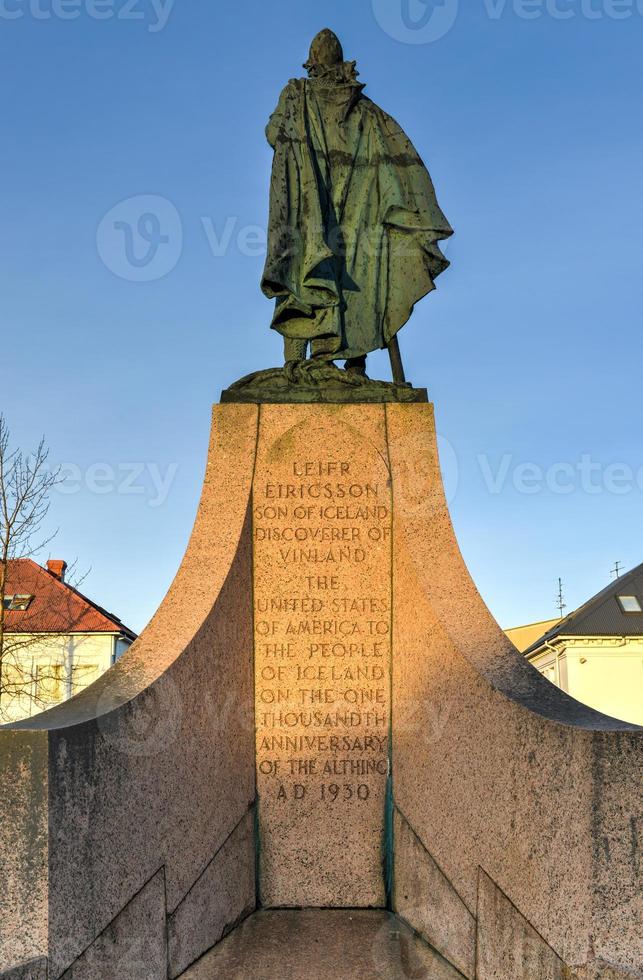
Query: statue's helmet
325, 51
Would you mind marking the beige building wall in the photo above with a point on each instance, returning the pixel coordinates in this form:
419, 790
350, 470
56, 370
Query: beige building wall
49, 668
522, 637
605, 672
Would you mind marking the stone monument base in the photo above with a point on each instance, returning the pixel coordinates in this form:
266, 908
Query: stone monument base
322, 716
322, 945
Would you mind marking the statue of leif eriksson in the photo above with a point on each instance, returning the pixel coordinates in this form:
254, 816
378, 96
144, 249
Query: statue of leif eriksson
355, 226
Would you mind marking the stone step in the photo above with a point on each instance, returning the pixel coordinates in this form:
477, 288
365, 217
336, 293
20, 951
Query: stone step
322, 944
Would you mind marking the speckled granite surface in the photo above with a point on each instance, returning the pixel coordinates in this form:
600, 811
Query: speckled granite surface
149, 776
322, 945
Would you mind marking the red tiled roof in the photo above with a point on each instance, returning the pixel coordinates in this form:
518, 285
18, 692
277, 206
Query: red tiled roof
56, 606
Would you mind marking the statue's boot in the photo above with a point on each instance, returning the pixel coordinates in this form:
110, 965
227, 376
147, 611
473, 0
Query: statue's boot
294, 354
356, 365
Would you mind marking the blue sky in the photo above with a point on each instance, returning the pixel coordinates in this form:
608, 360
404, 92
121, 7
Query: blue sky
528, 115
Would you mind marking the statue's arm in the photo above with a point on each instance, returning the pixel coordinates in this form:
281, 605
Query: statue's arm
277, 118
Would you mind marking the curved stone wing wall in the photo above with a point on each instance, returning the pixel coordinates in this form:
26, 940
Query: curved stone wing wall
128, 814
126, 802
495, 770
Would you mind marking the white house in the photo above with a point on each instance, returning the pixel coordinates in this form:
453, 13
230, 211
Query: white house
56, 640
596, 653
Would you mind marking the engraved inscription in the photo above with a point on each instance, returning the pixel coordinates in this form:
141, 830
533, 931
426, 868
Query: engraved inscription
322, 539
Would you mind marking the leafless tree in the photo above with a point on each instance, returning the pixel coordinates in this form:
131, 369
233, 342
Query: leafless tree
26, 482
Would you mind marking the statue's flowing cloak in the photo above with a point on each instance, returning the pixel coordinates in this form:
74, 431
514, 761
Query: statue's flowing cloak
354, 221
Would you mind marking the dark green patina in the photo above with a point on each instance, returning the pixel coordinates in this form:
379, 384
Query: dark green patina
353, 236
318, 381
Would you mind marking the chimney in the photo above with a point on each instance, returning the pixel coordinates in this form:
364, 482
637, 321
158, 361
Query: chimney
57, 568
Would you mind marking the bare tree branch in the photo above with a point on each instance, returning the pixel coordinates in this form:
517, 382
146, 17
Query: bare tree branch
26, 482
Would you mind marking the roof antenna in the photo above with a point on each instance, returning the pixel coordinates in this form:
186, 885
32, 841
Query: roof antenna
560, 600
616, 571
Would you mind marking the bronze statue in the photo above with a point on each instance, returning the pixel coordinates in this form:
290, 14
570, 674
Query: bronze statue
354, 221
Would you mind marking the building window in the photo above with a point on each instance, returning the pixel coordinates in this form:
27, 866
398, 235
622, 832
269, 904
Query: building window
49, 683
83, 675
630, 604
14, 602
549, 672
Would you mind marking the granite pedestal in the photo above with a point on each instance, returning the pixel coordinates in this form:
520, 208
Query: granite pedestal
323, 754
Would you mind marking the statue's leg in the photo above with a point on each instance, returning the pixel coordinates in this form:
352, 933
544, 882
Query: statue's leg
294, 349
357, 365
